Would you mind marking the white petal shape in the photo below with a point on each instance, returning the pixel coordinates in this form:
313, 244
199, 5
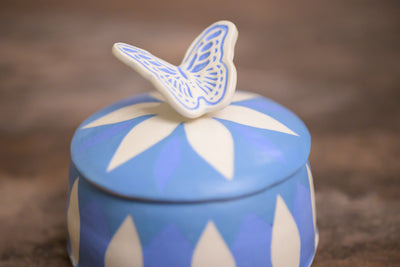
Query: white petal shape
311, 182
125, 248
251, 117
141, 138
242, 95
74, 223
213, 142
211, 250
157, 95
125, 113
285, 243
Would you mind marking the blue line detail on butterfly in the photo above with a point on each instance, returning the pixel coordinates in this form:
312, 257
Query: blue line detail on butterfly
203, 75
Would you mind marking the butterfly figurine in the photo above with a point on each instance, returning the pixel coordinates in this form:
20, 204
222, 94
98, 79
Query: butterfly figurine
206, 79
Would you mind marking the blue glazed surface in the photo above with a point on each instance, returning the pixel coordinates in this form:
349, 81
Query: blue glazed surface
171, 170
169, 233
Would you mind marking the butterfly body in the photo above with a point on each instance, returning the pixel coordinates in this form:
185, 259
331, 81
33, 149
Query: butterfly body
206, 79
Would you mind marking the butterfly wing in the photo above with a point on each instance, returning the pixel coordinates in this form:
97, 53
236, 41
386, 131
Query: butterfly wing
164, 76
160, 72
206, 79
209, 64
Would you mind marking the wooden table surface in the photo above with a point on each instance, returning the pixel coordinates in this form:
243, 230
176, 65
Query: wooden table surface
334, 63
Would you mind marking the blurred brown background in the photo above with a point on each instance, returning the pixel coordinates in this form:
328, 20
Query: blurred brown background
334, 63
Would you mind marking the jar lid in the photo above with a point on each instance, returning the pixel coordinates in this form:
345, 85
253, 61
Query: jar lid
142, 148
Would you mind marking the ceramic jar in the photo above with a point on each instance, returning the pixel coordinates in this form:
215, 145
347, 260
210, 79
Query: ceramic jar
195, 174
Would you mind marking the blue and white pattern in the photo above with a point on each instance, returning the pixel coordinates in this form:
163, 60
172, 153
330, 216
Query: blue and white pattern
150, 186
206, 79
162, 200
143, 137
272, 228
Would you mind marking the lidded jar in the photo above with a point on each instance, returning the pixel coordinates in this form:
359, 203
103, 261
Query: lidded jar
230, 187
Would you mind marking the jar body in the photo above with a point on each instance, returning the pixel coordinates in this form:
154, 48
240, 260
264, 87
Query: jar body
273, 227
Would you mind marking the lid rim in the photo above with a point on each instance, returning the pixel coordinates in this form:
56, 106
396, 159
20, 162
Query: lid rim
189, 201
